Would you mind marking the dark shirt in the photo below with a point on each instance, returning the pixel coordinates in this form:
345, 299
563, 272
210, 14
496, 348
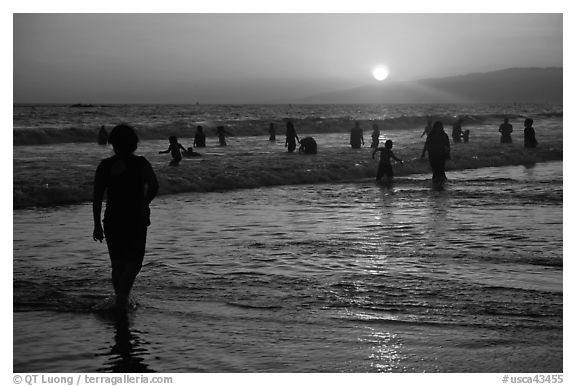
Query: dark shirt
200, 140
438, 146
125, 179
356, 136
291, 134
385, 155
505, 129
530, 137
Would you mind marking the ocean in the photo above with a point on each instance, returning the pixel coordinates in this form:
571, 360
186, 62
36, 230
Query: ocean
311, 268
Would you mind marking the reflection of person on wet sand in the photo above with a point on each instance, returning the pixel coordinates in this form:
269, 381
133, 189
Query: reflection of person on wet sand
130, 185
291, 137
438, 147
385, 167
128, 352
174, 148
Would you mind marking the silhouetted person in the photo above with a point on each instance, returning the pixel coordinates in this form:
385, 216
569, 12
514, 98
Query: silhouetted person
457, 133
375, 136
291, 137
102, 136
529, 134
190, 153
356, 136
308, 146
130, 185
272, 132
221, 132
199, 137
385, 167
438, 147
174, 148
427, 129
506, 130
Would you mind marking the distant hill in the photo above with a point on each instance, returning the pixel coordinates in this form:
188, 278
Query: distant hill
511, 85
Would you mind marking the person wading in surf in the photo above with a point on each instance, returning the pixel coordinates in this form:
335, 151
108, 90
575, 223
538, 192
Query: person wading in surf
438, 147
130, 185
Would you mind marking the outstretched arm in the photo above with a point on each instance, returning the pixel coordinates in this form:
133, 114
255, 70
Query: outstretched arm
164, 152
374, 152
98, 196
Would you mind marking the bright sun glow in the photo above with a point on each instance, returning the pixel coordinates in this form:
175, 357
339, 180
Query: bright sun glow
380, 73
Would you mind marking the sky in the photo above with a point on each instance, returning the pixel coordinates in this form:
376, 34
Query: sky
261, 58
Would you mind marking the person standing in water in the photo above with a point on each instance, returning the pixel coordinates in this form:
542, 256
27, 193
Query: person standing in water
506, 130
438, 147
221, 132
529, 134
102, 136
356, 136
427, 129
308, 146
199, 137
291, 137
272, 132
130, 185
385, 167
174, 148
457, 133
375, 136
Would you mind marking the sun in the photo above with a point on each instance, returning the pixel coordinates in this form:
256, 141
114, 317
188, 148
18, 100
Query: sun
380, 72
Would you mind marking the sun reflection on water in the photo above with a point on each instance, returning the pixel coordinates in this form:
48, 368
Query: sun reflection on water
385, 351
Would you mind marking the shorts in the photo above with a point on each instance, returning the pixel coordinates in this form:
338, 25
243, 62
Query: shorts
385, 169
126, 242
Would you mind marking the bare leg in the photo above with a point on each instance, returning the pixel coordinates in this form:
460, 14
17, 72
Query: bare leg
123, 276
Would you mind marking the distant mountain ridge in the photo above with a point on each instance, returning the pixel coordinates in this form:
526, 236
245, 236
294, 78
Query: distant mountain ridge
534, 85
